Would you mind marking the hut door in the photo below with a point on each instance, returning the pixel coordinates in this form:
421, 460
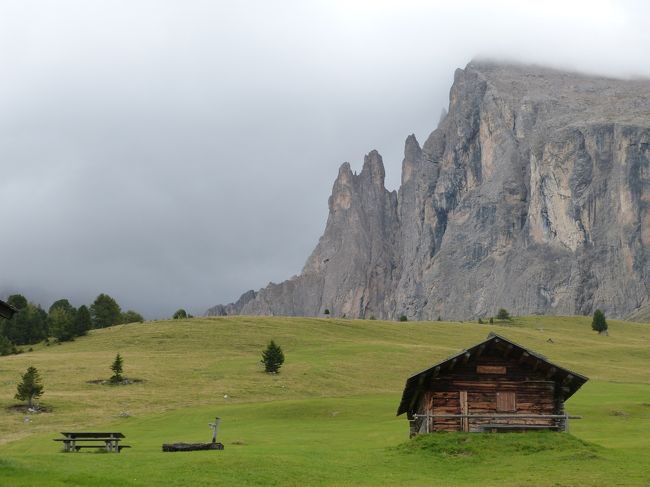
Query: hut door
464, 422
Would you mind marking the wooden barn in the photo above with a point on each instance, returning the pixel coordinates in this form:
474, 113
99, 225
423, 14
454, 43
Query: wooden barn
493, 386
6, 310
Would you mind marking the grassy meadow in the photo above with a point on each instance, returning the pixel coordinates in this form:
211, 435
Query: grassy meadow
329, 417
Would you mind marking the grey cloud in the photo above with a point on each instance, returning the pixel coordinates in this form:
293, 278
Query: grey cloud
178, 153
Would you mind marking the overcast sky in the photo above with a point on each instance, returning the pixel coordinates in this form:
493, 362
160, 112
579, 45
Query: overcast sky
178, 153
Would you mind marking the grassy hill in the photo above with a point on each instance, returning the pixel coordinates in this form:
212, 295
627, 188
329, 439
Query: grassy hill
329, 417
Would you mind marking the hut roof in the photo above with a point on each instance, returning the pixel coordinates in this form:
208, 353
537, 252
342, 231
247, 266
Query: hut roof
571, 381
6, 310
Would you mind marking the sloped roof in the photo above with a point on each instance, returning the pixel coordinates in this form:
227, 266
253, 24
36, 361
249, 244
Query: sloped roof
571, 381
6, 310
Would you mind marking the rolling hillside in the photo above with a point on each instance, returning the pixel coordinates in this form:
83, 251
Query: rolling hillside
328, 418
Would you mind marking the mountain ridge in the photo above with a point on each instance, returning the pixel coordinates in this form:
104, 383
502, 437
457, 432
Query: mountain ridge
531, 194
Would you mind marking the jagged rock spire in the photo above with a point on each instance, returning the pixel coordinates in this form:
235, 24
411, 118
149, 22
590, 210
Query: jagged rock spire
530, 195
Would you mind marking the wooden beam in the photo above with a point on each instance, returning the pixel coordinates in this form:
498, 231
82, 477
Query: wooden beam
508, 350
414, 400
537, 362
499, 416
480, 350
550, 372
567, 380
466, 357
453, 363
523, 357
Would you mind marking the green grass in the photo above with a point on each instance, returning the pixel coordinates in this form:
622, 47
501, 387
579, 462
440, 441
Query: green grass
329, 417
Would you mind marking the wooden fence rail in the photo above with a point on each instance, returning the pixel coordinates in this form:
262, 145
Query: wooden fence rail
564, 424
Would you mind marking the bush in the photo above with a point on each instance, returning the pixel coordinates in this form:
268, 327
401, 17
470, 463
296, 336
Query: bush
272, 358
491, 320
131, 316
326, 312
6, 347
503, 314
403, 318
480, 321
599, 323
180, 314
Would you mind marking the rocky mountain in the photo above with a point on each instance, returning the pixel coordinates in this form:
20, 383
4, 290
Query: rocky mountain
532, 194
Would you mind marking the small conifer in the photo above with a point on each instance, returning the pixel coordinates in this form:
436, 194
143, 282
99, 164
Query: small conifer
117, 368
272, 358
599, 323
30, 387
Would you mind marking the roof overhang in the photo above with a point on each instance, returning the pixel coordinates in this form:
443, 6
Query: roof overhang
6, 310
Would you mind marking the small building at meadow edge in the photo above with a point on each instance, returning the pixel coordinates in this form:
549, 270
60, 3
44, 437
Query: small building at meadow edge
496, 385
6, 310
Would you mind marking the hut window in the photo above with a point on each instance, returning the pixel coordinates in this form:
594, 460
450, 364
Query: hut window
506, 402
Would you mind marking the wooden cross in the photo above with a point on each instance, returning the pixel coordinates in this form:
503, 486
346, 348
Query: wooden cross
215, 427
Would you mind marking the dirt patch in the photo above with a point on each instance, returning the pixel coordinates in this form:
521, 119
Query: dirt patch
107, 382
618, 413
24, 409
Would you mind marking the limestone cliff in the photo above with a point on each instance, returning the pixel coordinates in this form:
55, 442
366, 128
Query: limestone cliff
532, 194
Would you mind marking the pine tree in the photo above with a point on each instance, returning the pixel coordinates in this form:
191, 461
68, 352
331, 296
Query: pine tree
6, 347
62, 317
30, 387
117, 369
105, 312
599, 323
82, 321
503, 314
272, 358
29, 325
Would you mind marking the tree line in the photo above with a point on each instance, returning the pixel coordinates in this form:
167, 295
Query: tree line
32, 324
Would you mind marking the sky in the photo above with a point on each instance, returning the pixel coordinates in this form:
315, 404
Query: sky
176, 153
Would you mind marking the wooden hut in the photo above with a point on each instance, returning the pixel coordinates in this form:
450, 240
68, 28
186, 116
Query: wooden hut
494, 386
6, 310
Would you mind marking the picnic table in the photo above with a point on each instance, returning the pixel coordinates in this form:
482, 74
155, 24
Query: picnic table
110, 440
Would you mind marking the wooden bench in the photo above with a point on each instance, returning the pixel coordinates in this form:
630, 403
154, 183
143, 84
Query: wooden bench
110, 440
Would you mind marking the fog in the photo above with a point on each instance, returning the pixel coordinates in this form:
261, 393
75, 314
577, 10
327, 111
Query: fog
176, 154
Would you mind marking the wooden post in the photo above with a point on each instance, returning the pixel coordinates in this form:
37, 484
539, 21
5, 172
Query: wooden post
215, 428
464, 422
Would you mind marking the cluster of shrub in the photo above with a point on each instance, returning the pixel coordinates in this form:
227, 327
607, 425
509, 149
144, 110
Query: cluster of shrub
32, 324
